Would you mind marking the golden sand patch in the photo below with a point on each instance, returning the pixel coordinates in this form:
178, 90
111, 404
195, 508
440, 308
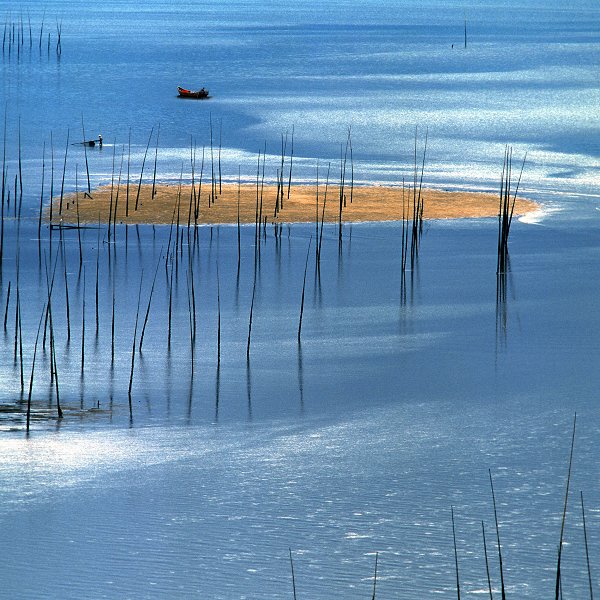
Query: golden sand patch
372, 203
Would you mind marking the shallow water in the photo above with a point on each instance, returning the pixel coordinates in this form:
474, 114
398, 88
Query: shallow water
399, 397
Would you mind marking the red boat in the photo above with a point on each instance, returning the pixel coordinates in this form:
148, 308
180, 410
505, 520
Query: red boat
183, 93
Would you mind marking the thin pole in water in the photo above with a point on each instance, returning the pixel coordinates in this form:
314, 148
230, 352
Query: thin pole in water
87, 167
487, 564
83, 327
218, 317
564, 516
42, 192
238, 215
291, 162
251, 313
150, 301
587, 552
303, 290
137, 315
497, 537
35, 346
137, 198
375, 576
293, 576
155, 161
455, 555
128, 174
62, 185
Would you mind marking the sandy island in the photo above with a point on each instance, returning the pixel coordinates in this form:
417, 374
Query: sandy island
372, 203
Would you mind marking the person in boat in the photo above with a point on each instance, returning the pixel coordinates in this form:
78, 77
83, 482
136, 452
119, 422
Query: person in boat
100, 140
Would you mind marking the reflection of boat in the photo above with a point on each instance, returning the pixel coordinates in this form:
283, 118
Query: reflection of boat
183, 93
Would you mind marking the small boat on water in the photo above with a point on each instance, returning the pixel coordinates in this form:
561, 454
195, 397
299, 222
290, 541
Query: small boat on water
183, 93
91, 143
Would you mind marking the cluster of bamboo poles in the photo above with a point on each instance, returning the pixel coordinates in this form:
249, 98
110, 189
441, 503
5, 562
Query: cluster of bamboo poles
182, 246
505, 214
506, 209
412, 217
19, 36
183, 232
131, 190
181, 256
558, 594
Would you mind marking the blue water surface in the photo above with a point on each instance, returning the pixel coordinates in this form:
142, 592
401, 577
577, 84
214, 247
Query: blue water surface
403, 391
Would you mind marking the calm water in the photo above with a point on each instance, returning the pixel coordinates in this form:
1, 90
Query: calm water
395, 404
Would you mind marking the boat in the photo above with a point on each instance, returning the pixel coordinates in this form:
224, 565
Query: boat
183, 93
90, 143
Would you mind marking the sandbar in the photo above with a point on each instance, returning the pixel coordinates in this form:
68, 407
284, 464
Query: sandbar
172, 203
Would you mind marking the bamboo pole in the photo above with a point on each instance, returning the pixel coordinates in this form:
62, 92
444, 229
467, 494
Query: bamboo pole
112, 328
83, 327
351, 167
303, 290
53, 364
22, 373
7, 306
87, 167
42, 31
199, 196
239, 244
150, 301
53, 360
117, 194
497, 537
220, 134
317, 216
67, 298
62, 185
193, 199
564, 515
218, 317
587, 552
97, 280
128, 173
155, 162
250, 320
192, 335
212, 163
375, 576
42, 192
291, 163
193, 298
35, 346
20, 175
323, 213
16, 336
112, 189
262, 186
3, 193
293, 577
170, 311
455, 555
78, 222
58, 37
51, 175
487, 564
137, 198
137, 314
